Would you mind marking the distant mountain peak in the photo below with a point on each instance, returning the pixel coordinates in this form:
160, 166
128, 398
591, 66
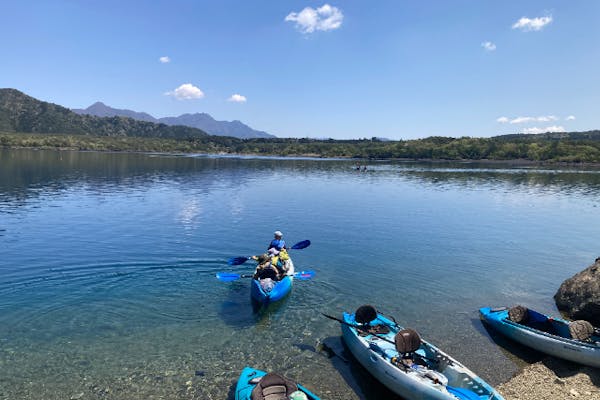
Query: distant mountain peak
198, 120
100, 109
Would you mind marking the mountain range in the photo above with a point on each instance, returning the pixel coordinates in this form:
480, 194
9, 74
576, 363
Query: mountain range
22, 113
201, 121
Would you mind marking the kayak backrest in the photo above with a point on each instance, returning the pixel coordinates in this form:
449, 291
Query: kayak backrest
267, 272
581, 330
365, 314
518, 314
407, 341
273, 386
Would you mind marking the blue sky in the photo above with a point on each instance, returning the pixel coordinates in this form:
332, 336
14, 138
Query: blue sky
326, 69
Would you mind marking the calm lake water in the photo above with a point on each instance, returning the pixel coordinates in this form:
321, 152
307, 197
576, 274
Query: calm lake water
108, 262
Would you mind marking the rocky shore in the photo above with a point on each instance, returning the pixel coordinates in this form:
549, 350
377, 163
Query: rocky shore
553, 379
579, 298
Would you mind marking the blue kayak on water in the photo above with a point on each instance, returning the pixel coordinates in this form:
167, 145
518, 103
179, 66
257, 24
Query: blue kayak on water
576, 341
267, 291
406, 364
256, 384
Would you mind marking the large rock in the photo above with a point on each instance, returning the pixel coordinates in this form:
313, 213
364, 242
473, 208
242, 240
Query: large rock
579, 296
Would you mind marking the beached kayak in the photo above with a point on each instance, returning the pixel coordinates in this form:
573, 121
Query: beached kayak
407, 365
576, 341
274, 384
266, 291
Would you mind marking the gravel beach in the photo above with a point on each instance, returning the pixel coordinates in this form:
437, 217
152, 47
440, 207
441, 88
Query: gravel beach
553, 379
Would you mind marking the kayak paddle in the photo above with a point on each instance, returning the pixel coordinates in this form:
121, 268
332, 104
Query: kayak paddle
240, 260
237, 260
301, 245
232, 276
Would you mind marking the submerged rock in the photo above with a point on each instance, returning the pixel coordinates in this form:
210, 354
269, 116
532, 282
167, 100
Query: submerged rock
579, 296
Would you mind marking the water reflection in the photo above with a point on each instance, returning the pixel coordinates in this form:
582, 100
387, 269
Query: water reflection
584, 183
26, 173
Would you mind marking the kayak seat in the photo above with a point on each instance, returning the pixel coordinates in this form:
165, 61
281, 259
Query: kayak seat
581, 330
407, 341
273, 386
518, 314
365, 314
267, 272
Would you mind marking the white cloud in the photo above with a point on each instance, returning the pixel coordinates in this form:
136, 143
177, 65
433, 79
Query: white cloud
536, 130
570, 118
523, 120
526, 24
489, 46
164, 60
187, 91
237, 98
324, 18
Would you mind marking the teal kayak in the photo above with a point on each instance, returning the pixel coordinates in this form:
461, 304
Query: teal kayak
406, 364
250, 378
275, 290
554, 336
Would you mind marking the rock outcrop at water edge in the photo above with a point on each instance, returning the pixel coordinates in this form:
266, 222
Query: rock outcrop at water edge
579, 296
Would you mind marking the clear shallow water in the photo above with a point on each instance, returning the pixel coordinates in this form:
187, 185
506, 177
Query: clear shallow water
107, 287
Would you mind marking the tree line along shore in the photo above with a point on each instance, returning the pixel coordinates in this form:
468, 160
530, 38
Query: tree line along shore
548, 148
29, 122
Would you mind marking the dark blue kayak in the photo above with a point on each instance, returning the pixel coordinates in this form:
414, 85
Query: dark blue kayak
251, 377
547, 334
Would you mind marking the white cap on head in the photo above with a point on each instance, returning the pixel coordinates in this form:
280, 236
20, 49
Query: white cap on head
278, 233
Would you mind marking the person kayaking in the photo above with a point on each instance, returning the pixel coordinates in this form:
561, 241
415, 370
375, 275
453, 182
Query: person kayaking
279, 259
277, 243
265, 269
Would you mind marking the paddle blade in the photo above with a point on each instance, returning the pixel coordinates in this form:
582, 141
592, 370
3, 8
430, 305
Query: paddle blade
301, 245
237, 260
304, 275
228, 276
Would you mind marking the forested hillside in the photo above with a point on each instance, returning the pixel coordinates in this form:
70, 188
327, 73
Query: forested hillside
22, 113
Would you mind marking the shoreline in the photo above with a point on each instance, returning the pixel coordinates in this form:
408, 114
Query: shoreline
553, 378
514, 162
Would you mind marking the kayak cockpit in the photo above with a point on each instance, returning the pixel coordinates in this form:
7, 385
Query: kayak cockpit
576, 330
